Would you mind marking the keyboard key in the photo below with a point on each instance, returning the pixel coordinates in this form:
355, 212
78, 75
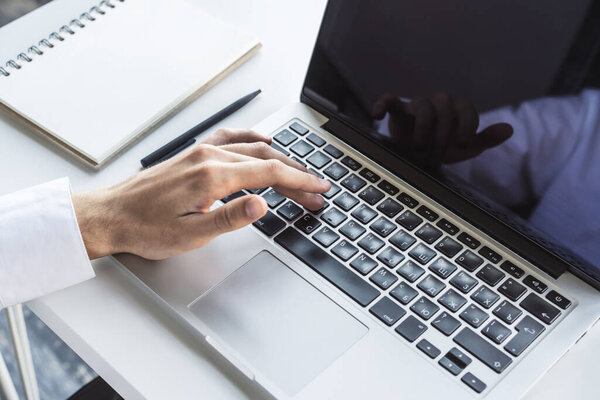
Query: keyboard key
371, 243
428, 233
363, 264
299, 129
318, 160
383, 278
490, 254
450, 366
422, 253
540, 308
469, 260
369, 175
496, 332
232, 196
333, 151
473, 382
468, 240
353, 183
428, 348
474, 316
344, 250
335, 171
371, 195
490, 275
326, 237
407, 200
279, 148
411, 328
387, 311
463, 282
364, 214
447, 226
346, 201
390, 257
270, 224
507, 312
301, 148
307, 224
485, 297
460, 358
431, 285
442, 268
512, 269
535, 284
351, 163
402, 240
452, 300
320, 210
388, 188
256, 191
429, 215
409, 220
512, 289
317, 173
424, 308
389, 207
558, 300
299, 161
403, 293
273, 198
482, 350
411, 271
383, 227
448, 247
333, 217
332, 192
315, 139
352, 230
528, 330
285, 137
446, 323
290, 210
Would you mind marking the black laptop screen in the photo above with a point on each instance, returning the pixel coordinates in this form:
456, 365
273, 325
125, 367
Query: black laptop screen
466, 91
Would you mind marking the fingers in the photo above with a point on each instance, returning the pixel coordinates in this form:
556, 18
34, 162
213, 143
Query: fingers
424, 113
467, 122
444, 126
493, 135
228, 136
386, 103
262, 151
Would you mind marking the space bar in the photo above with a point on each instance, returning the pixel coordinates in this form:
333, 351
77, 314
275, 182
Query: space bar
327, 266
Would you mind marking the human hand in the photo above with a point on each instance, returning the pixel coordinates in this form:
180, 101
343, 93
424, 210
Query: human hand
165, 210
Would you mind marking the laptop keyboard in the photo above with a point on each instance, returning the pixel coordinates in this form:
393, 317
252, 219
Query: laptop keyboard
412, 269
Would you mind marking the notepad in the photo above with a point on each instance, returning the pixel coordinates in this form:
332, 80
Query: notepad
113, 73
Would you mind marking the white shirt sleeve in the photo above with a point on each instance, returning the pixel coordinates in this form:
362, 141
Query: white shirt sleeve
41, 248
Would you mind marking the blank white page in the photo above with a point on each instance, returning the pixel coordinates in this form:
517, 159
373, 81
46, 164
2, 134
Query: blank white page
110, 81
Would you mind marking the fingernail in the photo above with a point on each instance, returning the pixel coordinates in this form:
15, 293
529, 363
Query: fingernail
325, 183
253, 208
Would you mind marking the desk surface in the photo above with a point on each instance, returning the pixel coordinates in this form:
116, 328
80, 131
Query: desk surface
116, 327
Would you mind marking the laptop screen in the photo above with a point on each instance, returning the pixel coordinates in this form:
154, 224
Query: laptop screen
466, 91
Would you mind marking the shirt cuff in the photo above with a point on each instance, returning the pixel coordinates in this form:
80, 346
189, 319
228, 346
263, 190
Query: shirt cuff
41, 248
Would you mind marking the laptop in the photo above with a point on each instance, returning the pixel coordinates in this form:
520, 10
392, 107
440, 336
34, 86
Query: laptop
435, 268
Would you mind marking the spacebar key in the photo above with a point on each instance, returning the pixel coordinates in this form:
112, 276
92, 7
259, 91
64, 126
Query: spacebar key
483, 350
327, 266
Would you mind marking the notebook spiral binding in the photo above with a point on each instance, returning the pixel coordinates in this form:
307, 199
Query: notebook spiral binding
56, 37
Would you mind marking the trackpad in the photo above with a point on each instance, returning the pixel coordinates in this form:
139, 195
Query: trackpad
279, 323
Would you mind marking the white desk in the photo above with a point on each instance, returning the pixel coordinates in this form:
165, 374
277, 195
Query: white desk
113, 325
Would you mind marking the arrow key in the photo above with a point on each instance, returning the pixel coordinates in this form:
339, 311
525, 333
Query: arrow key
473, 382
428, 348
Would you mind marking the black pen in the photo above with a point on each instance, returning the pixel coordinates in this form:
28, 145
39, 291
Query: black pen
187, 139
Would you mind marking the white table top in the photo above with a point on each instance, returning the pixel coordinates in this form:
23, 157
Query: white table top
113, 325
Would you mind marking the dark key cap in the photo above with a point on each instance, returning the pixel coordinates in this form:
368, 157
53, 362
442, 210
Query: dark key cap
301, 148
323, 263
270, 224
353, 183
371, 195
299, 161
383, 227
411, 328
428, 348
468, 240
507, 312
346, 201
429, 215
407, 200
490, 254
333, 217
371, 243
474, 316
363, 264
285, 137
273, 198
490, 275
535, 284
307, 223
326, 237
424, 308
447, 226
403, 293
540, 308
496, 332
389, 208
320, 210
450, 366
512, 269
364, 214
485, 297
290, 210
351, 163
460, 358
431, 285
529, 329
344, 250
332, 192
369, 175
446, 323
390, 257
388, 187
469, 260
315, 139
448, 247
317, 173
279, 148
422, 253
352, 230
387, 311
409, 220
558, 299
463, 282
442, 268
402, 240
335, 171
482, 350
383, 278
473, 382
299, 129
512, 289
411, 271
428, 233
232, 196
333, 151
452, 300
256, 191
318, 160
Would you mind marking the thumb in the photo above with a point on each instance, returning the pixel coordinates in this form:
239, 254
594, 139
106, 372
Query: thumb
237, 213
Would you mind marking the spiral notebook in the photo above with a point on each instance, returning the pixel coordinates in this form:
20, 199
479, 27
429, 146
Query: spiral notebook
115, 72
